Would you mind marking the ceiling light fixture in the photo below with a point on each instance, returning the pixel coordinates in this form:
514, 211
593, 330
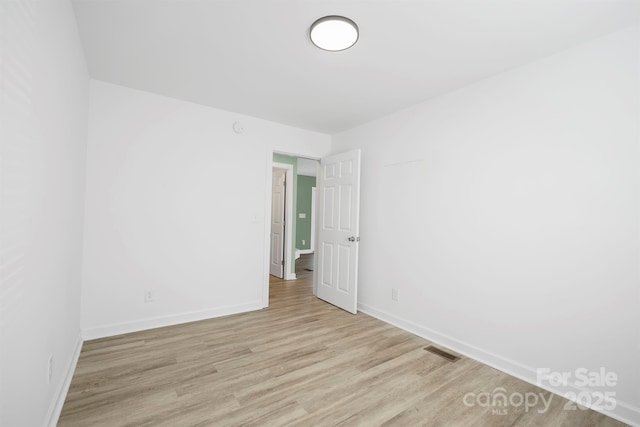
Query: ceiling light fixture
334, 33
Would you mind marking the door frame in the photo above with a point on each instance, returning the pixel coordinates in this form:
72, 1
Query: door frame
312, 217
288, 218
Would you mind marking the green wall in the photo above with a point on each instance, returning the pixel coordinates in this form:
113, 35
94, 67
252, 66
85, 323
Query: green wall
281, 158
303, 225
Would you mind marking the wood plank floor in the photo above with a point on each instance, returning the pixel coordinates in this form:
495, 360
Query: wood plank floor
299, 362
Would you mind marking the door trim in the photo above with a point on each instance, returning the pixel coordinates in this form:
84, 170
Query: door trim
312, 215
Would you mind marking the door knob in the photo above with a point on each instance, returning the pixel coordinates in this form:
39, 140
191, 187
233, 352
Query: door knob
353, 239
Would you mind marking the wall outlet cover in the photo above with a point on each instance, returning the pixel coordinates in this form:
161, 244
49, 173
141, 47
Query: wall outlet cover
149, 296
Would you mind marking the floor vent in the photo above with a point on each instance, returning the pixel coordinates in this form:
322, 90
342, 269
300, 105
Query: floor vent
308, 269
435, 350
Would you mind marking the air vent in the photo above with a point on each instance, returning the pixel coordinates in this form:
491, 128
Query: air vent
435, 350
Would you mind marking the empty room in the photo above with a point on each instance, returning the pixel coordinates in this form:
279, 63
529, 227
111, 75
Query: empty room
319, 213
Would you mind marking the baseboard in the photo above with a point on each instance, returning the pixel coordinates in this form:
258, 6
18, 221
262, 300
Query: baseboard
55, 408
290, 276
629, 414
173, 319
623, 411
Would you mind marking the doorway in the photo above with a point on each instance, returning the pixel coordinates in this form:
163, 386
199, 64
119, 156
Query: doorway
337, 229
291, 239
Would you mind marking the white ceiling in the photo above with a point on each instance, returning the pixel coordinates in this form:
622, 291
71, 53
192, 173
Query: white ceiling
254, 56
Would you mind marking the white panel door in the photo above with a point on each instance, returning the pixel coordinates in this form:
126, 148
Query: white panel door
338, 220
276, 265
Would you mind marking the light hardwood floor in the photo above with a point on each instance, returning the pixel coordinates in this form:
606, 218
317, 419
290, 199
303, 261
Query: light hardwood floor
299, 362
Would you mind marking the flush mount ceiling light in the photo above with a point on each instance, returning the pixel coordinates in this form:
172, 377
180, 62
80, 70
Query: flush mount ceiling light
334, 33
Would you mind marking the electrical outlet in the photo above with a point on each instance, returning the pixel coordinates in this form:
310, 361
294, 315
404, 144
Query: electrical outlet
304, 242
149, 296
50, 369
394, 294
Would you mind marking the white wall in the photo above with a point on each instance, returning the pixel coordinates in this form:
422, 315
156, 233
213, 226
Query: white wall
176, 204
506, 214
44, 103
